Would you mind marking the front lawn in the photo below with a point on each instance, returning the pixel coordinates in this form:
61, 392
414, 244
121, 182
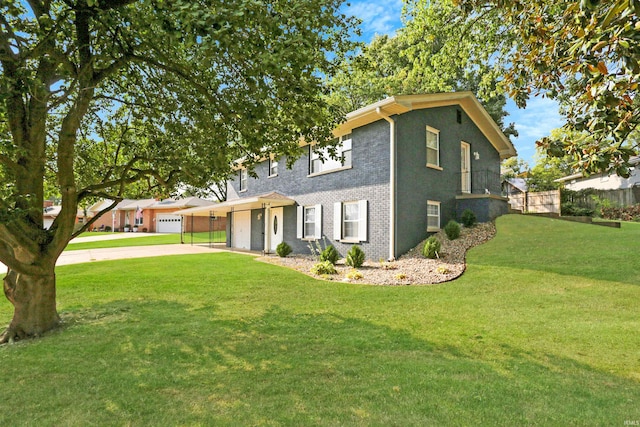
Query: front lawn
149, 239
542, 329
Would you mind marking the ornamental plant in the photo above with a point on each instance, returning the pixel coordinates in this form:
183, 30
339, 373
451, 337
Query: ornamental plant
283, 249
452, 230
355, 257
330, 254
431, 248
468, 218
324, 267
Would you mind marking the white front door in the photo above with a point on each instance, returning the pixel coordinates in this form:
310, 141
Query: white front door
241, 230
465, 167
275, 231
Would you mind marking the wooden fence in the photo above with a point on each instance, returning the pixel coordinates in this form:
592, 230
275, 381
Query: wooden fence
539, 202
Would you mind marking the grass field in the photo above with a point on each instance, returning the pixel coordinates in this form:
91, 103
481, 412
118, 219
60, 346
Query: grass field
542, 329
147, 240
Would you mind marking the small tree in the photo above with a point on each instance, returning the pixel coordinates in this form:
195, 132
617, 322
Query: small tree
431, 248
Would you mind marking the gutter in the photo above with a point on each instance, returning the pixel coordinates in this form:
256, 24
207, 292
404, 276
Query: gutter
392, 182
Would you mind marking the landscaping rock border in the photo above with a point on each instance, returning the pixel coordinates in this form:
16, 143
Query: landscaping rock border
410, 269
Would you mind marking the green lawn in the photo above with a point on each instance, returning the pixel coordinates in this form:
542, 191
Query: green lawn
147, 240
542, 329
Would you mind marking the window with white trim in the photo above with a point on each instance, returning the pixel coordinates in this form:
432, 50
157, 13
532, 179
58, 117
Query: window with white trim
273, 167
309, 222
433, 147
244, 175
350, 221
433, 215
321, 160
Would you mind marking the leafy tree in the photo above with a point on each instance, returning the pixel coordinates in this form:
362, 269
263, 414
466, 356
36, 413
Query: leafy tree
513, 167
586, 54
438, 50
549, 168
108, 98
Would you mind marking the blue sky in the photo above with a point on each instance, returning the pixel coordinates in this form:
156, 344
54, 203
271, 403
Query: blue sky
532, 123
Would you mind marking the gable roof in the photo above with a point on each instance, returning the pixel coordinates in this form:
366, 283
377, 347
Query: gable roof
400, 104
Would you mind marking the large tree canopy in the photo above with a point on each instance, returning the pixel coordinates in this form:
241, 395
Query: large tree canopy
585, 53
98, 96
439, 49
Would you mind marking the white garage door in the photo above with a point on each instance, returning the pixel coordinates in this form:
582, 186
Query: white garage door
167, 223
241, 233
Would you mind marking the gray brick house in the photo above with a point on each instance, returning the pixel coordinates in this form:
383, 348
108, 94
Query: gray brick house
408, 165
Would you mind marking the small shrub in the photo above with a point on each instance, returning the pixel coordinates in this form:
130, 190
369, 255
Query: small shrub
452, 230
355, 257
468, 218
283, 249
354, 275
324, 267
443, 270
400, 276
431, 248
145, 229
330, 254
107, 228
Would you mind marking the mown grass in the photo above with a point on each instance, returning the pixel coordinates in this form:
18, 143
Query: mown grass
149, 240
542, 329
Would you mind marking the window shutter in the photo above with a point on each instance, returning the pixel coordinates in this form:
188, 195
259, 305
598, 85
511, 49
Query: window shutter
318, 231
362, 222
337, 221
300, 223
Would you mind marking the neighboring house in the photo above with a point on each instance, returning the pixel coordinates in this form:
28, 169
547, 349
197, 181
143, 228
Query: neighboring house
154, 215
601, 181
51, 212
408, 164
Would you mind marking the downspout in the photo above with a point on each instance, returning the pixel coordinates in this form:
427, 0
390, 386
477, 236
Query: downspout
392, 183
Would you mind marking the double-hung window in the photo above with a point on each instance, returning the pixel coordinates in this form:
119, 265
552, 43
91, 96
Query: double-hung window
433, 147
321, 160
273, 167
433, 215
309, 222
244, 175
350, 221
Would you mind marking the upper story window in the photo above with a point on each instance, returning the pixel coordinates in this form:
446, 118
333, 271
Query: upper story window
343, 160
273, 167
243, 179
433, 147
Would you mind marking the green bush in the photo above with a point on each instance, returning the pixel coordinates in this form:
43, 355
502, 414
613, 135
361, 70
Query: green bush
468, 218
431, 248
330, 254
324, 267
283, 249
355, 257
452, 230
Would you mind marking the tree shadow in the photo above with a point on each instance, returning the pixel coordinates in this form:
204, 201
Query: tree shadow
153, 362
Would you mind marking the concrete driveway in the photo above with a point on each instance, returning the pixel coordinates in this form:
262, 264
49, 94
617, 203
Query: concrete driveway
106, 254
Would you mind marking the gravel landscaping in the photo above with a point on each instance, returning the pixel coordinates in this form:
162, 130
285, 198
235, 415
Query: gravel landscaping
410, 269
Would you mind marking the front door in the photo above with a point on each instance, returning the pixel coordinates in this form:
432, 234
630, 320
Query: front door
465, 167
275, 228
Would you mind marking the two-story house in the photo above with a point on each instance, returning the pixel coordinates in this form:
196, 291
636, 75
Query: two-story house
407, 165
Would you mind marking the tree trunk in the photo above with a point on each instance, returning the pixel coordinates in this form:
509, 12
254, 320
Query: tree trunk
34, 301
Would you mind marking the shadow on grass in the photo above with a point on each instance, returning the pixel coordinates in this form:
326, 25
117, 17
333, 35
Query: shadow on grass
157, 362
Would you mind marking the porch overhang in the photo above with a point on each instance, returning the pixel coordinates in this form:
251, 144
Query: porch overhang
273, 200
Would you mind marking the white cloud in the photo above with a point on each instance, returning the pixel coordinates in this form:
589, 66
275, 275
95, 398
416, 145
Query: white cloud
378, 17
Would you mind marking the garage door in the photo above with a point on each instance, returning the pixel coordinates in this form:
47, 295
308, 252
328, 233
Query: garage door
241, 233
166, 223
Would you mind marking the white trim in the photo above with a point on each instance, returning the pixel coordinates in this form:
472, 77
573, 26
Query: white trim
465, 148
337, 221
318, 224
299, 222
